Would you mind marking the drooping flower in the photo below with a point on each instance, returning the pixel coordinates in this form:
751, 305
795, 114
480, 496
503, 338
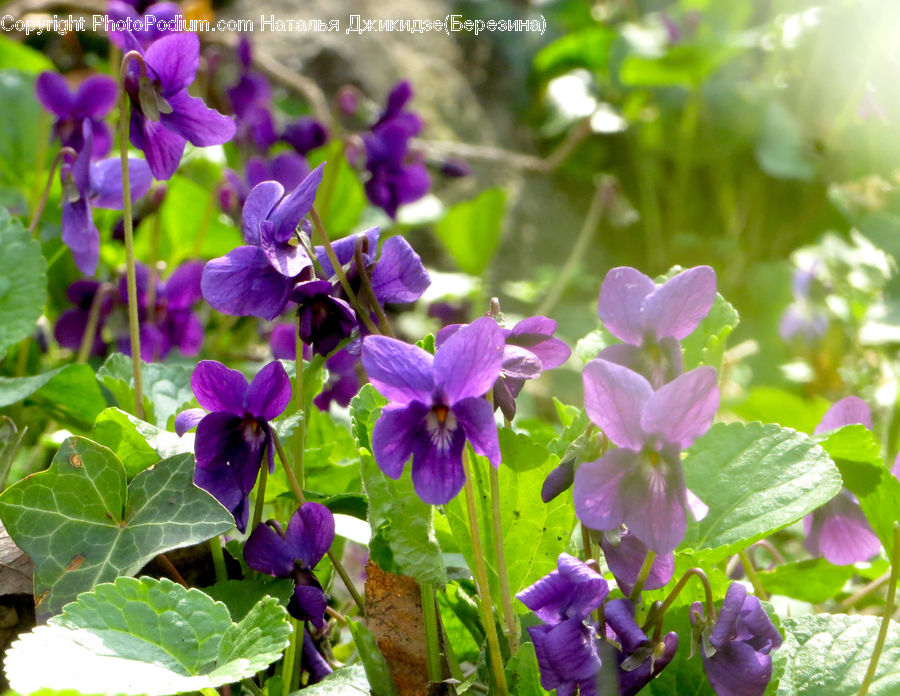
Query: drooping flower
638, 659
324, 320
233, 438
396, 176
312, 661
70, 327
566, 647
651, 319
641, 484
257, 279
149, 21
164, 116
294, 553
343, 382
88, 185
435, 406
736, 652
91, 101
625, 554
305, 134
838, 530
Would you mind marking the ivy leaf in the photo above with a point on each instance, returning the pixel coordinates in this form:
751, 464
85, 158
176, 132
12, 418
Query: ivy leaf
10, 441
147, 636
756, 479
240, 596
82, 525
828, 654
23, 277
136, 443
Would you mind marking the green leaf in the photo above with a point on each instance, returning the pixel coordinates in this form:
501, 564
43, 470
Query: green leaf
340, 198
364, 404
470, 231
19, 56
773, 405
23, 272
378, 673
706, 345
520, 453
827, 655
588, 347
147, 636
522, 673
683, 64
588, 48
756, 479
136, 443
82, 525
10, 441
70, 394
240, 596
22, 115
342, 682
780, 148
813, 580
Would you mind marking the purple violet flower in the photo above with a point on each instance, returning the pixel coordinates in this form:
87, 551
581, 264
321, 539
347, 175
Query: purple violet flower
233, 438
91, 101
435, 405
530, 349
736, 651
155, 21
625, 554
164, 116
638, 659
641, 484
87, 185
343, 382
294, 553
838, 530
257, 279
288, 169
305, 135
313, 662
651, 319
69, 328
803, 321
324, 319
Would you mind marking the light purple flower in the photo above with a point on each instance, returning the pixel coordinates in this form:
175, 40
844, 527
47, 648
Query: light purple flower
155, 21
91, 101
838, 530
736, 651
641, 484
88, 185
651, 319
435, 405
164, 116
233, 438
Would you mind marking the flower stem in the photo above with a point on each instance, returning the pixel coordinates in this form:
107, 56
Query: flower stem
865, 591
39, 210
432, 639
335, 561
218, 557
752, 575
93, 320
339, 272
667, 602
299, 440
886, 616
250, 685
366, 285
484, 590
133, 324
644, 572
260, 493
291, 655
509, 616
299, 630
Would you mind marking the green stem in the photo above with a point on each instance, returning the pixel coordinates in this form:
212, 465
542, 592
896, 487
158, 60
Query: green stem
204, 226
335, 561
291, 655
512, 629
339, 272
43, 140
299, 440
251, 686
39, 209
93, 320
299, 629
218, 557
133, 323
260, 493
865, 591
643, 574
667, 602
56, 256
484, 590
752, 575
366, 286
432, 639
886, 616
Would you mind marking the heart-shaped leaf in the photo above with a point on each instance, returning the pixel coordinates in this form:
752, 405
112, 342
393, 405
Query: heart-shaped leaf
23, 281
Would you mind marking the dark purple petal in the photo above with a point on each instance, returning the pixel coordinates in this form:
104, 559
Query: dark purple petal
243, 283
476, 417
571, 649
305, 134
401, 372
614, 398
95, 97
188, 420
260, 201
397, 98
313, 662
621, 297
54, 94
224, 487
287, 214
677, 307
269, 392
218, 388
310, 533
196, 122
437, 471
683, 410
469, 362
738, 670
558, 480
394, 435
162, 147
840, 532
850, 410
619, 615
308, 604
80, 235
626, 558
175, 59
633, 681
106, 182
598, 502
399, 276
267, 552
572, 591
